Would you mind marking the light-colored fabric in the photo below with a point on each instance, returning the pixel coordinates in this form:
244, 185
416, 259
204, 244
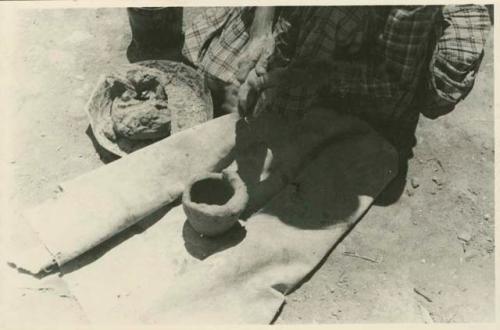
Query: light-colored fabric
165, 273
309, 182
97, 205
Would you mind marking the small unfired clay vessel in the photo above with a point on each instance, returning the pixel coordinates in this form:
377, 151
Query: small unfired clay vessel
213, 202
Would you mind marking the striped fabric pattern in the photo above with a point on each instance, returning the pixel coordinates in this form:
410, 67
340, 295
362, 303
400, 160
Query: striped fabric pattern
371, 55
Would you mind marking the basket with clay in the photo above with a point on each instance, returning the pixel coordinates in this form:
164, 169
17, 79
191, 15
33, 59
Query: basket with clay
138, 104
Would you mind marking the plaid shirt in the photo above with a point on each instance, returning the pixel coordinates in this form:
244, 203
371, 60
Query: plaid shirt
367, 55
369, 60
456, 58
215, 38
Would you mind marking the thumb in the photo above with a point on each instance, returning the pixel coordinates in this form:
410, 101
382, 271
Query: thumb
244, 67
261, 66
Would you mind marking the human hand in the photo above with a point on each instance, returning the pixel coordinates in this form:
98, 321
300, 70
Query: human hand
255, 56
257, 92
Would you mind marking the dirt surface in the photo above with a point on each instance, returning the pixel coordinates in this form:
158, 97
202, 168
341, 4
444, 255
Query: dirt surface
427, 258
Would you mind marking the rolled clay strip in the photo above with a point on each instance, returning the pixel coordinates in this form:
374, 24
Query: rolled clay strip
95, 206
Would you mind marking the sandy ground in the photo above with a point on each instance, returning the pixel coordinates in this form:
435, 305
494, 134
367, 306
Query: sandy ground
437, 241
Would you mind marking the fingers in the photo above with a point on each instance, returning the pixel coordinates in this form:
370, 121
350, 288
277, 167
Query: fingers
261, 66
248, 61
266, 80
247, 98
261, 103
263, 62
243, 99
256, 55
249, 93
270, 79
230, 104
253, 80
244, 68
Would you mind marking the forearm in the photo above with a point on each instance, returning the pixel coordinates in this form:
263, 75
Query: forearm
263, 22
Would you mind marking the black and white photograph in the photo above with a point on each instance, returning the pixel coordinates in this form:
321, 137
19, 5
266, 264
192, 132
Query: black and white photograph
179, 163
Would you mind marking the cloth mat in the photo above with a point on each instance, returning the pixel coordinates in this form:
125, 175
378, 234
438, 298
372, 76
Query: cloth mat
95, 206
308, 183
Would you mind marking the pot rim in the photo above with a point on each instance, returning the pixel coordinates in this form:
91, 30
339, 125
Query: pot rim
235, 205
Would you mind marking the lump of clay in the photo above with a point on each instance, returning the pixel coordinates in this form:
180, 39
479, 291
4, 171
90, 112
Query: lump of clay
128, 110
140, 109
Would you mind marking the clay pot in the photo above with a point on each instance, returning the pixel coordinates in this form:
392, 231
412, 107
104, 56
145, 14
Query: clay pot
213, 202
